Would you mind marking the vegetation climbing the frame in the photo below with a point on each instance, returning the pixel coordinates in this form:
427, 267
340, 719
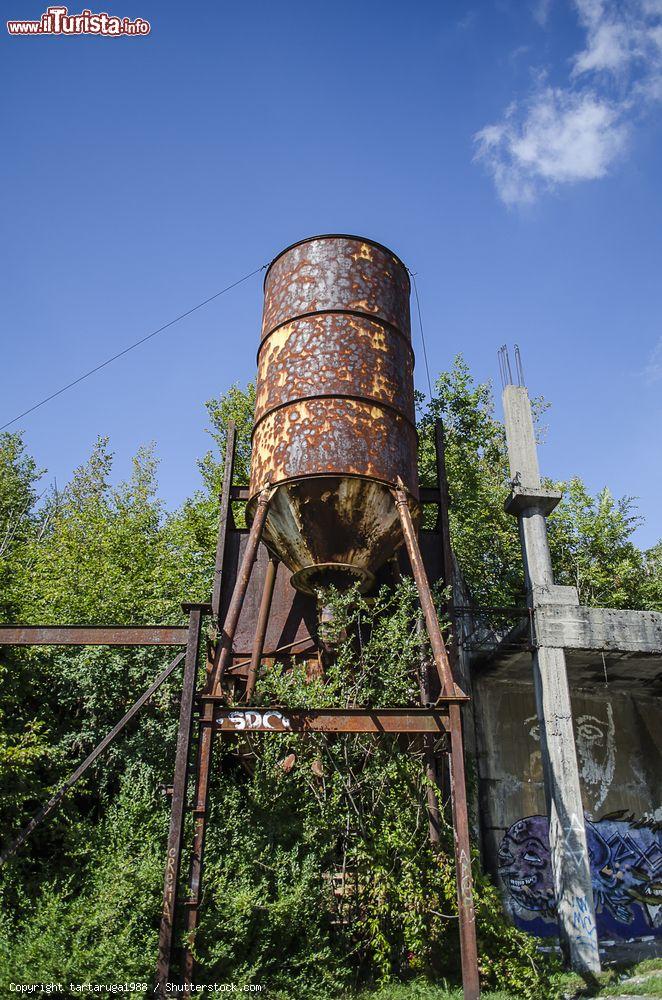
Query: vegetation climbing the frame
319, 876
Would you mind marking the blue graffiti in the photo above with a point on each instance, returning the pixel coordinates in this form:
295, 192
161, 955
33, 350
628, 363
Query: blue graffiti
626, 872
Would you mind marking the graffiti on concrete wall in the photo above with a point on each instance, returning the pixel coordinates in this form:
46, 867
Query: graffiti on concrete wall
596, 752
626, 873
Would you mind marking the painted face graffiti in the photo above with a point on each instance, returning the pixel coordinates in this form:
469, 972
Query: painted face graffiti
596, 752
626, 873
524, 864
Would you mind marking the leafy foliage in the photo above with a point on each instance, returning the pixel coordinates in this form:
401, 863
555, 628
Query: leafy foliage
319, 875
590, 538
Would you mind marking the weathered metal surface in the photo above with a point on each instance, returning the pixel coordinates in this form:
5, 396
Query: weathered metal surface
261, 629
226, 639
331, 436
324, 524
464, 878
84, 635
463, 874
293, 614
426, 494
334, 420
439, 651
336, 354
331, 720
336, 272
206, 720
175, 833
225, 515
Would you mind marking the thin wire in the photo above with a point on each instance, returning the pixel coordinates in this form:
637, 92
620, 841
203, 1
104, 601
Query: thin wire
420, 323
131, 347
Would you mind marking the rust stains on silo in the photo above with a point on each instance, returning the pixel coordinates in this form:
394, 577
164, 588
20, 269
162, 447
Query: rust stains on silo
335, 400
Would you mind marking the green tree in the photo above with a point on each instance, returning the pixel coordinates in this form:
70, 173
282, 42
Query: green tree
82, 899
592, 549
590, 536
484, 537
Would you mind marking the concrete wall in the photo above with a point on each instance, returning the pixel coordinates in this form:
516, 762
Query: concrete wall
618, 745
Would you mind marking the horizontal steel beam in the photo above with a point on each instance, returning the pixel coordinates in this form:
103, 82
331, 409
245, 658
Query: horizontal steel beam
331, 720
85, 635
428, 494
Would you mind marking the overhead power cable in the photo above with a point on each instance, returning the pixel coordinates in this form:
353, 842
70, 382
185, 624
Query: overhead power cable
420, 323
131, 347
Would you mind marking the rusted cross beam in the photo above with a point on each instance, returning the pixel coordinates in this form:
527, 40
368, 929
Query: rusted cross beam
89, 635
332, 720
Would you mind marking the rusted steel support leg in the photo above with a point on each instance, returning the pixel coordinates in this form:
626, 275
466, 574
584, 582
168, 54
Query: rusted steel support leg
261, 628
467, 919
465, 900
429, 756
225, 517
241, 586
174, 852
424, 594
206, 728
203, 766
431, 773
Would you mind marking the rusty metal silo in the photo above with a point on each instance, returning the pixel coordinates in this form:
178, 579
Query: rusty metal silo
334, 420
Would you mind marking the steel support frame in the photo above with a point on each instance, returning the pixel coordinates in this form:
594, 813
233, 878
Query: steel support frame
444, 717
215, 717
206, 719
178, 807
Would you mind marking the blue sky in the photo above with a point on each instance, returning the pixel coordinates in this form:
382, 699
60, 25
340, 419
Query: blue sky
509, 152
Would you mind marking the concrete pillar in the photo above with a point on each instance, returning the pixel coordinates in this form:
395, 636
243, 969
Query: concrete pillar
531, 504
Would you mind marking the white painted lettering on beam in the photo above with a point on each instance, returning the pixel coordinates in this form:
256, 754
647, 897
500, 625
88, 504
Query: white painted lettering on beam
256, 720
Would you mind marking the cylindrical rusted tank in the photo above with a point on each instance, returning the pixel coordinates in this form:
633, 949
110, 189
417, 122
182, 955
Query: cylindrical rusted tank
334, 419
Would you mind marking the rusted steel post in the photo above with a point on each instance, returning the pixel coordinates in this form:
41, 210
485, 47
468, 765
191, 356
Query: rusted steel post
467, 918
224, 646
429, 757
424, 594
465, 891
207, 727
261, 628
443, 527
203, 766
206, 723
225, 516
173, 857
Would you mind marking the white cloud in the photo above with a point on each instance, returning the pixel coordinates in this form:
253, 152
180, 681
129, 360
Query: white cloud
562, 135
620, 36
653, 369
